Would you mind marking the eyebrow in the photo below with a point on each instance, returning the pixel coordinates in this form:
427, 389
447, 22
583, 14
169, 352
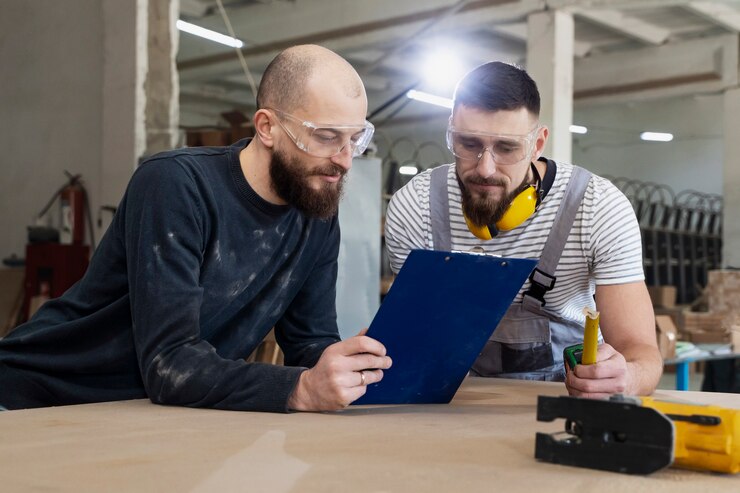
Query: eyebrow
474, 138
338, 131
480, 138
329, 129
508, 141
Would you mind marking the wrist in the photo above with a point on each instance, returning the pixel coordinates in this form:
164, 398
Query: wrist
298, 400
643, 372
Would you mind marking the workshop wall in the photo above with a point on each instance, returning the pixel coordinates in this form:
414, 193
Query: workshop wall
693, 160
612, 146
50, 106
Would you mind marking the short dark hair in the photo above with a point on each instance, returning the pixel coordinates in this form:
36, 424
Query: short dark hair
284, 81
496, 86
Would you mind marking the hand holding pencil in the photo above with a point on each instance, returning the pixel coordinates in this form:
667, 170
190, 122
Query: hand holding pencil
601, 370
590, 336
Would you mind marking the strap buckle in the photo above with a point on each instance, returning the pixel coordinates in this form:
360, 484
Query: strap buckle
541, 283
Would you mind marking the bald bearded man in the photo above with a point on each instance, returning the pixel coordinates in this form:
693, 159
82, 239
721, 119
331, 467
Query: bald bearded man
210, 249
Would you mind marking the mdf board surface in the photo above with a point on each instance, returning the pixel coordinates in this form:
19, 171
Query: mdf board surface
482, 441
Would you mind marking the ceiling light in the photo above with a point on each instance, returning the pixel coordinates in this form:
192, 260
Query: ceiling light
441, 70
656, 136
408, 170
429, 98
208, 34
578, 129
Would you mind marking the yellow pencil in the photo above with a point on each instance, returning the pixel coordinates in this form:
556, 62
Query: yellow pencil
590, 336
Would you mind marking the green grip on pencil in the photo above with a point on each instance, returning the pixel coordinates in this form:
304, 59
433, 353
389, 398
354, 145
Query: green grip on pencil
590, 336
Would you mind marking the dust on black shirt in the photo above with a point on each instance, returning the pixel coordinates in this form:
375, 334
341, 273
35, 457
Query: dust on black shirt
193, 272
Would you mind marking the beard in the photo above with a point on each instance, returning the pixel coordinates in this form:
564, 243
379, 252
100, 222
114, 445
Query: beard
290, 181
482, 209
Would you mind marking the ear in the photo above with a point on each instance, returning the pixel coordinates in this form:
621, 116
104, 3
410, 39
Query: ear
263, 127
539, 143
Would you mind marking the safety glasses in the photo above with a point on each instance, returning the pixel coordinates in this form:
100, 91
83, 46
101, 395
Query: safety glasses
325, 140
505, 149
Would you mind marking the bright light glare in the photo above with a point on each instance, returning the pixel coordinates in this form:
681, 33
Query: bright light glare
208, 34
578, 129
656, 136
441, 70
408, 170
425, 97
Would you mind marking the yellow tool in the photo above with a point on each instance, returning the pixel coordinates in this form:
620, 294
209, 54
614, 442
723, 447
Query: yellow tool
590, 336
706, 437
639, 435
585, 354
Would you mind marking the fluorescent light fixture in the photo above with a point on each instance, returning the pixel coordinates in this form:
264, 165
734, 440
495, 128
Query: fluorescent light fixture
578, 129
408, 170
425, 97
208, 34
656, 136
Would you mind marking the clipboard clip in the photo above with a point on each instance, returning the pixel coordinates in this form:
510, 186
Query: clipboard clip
476, 250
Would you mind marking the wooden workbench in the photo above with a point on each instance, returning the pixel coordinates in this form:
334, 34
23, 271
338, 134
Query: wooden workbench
483, 441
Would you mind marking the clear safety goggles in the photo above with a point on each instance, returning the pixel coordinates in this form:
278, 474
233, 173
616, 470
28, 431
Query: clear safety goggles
505, 149
325, 140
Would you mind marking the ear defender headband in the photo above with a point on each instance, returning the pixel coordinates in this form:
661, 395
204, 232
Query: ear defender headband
521, 208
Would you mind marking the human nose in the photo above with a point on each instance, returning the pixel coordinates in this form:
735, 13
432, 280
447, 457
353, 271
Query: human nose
486, 164
344, 157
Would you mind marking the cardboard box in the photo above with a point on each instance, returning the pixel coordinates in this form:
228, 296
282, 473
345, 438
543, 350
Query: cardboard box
667, 333
704, 322
215, 138
208, 137
239, 133
710, 337
735, 337
663, 296
723, 287
241, 126
676, 314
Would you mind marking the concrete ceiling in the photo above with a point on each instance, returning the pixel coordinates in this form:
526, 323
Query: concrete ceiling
624, 49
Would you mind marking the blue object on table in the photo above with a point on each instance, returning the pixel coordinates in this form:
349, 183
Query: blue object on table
682, 375
435, 320
705, 352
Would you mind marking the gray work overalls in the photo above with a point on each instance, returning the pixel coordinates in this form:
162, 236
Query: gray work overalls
529, 341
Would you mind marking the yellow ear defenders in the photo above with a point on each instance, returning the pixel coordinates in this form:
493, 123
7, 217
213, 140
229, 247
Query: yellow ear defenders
521, 207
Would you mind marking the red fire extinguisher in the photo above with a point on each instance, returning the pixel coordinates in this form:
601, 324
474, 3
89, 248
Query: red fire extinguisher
72, 199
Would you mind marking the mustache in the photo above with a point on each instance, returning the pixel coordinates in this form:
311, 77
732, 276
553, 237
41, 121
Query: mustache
330, 170
492, 181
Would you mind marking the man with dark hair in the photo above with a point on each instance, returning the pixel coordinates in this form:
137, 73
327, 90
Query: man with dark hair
210, 249
503, 198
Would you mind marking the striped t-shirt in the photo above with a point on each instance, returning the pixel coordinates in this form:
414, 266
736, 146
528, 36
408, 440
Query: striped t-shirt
604, 245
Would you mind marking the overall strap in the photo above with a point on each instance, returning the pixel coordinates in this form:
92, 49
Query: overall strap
543, 278
439, 210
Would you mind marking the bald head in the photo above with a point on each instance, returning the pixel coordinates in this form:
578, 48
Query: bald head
294, 76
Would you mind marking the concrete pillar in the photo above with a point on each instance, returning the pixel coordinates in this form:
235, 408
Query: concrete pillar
140, 91
731, 180
92, 95
161, 84
550, 63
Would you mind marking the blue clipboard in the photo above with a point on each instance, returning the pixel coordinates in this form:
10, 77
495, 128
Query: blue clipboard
435, 320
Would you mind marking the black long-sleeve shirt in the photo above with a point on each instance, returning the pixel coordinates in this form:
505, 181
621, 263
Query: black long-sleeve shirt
191, 275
